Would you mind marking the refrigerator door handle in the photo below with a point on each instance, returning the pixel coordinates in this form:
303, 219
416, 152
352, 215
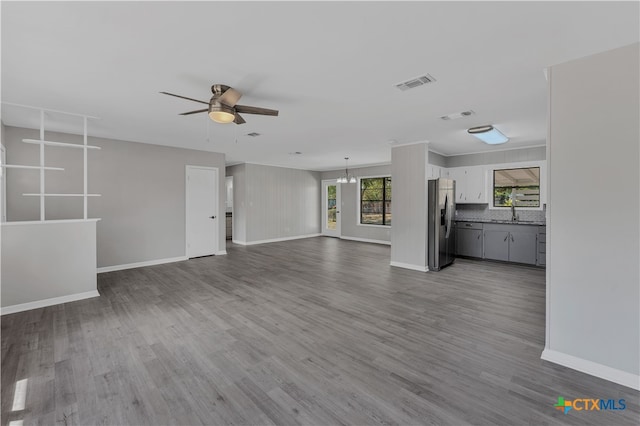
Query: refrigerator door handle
448, 208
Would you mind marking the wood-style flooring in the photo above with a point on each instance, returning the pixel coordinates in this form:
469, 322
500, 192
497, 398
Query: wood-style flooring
317, 331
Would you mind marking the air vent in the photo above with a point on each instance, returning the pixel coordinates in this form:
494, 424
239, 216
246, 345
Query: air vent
416, 82
456, 115
253, 134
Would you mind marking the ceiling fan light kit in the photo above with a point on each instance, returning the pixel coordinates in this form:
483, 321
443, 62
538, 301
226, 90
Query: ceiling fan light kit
221, 113
488, 134
222, 106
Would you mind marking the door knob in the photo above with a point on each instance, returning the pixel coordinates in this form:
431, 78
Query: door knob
212, 217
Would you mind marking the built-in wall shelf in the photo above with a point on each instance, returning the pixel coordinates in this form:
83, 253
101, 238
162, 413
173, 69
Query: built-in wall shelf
18, 166
60, 144
41, 142
61, 195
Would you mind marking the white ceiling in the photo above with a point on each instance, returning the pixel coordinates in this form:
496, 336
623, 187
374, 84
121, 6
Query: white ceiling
330, 68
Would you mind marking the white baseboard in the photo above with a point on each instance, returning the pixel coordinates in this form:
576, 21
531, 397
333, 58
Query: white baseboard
141, 264
48, 302
221, 253
275, 240
410, 266
593, 368
366, 240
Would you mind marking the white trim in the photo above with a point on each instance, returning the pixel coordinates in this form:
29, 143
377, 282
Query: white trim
276, 240
221, 253
548, 248
280, 166
141, 264
188, 167
439, 153
491, 150
371, 224
593, 368
48, 302
331, 169
242, 243
409, 266
51, 110
361, 166
396, 144
366, 240
48, 222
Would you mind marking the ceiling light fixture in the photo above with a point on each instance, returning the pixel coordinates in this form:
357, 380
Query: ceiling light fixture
221, 113
346, 177
488, 134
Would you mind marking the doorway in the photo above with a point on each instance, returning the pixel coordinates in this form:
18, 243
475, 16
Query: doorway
201, 211
229, 208
331, 205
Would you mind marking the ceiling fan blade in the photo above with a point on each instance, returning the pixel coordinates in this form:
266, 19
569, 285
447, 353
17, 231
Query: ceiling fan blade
184, 97
239, 119
195, 112
256, 110
230, 97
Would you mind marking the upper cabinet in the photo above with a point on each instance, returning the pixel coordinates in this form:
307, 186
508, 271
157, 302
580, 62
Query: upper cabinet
498, 185
471, 184
434, 172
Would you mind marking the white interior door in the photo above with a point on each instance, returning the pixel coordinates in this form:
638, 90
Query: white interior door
331, 205
201, 211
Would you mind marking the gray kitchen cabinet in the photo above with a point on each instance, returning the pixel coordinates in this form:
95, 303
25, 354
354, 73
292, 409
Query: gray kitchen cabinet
542, 245
511, 243
496, 244
523, 246
469, 239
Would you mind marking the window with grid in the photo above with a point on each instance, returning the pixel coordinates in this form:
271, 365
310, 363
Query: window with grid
375, 201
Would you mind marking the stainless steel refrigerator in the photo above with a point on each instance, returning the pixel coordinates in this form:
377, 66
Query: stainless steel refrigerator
441, 195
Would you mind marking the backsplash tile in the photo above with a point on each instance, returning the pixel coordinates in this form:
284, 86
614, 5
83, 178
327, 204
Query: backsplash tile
483, 212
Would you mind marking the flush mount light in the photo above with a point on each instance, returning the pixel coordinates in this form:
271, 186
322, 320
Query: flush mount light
221, 113
488, 134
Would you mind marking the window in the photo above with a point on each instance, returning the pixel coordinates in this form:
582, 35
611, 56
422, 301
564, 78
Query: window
517, 187
375, 201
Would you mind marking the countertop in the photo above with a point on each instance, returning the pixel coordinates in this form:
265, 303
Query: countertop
509, 222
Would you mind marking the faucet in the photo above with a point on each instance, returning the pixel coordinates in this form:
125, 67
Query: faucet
514, 216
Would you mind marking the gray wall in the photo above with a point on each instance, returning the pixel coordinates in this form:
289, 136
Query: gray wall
437, 159
593, 278
349, 209
142, 206
409, 205
276, 202
496, 157
46, 260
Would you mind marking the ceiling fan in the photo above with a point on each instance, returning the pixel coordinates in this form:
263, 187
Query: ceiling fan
223, 107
